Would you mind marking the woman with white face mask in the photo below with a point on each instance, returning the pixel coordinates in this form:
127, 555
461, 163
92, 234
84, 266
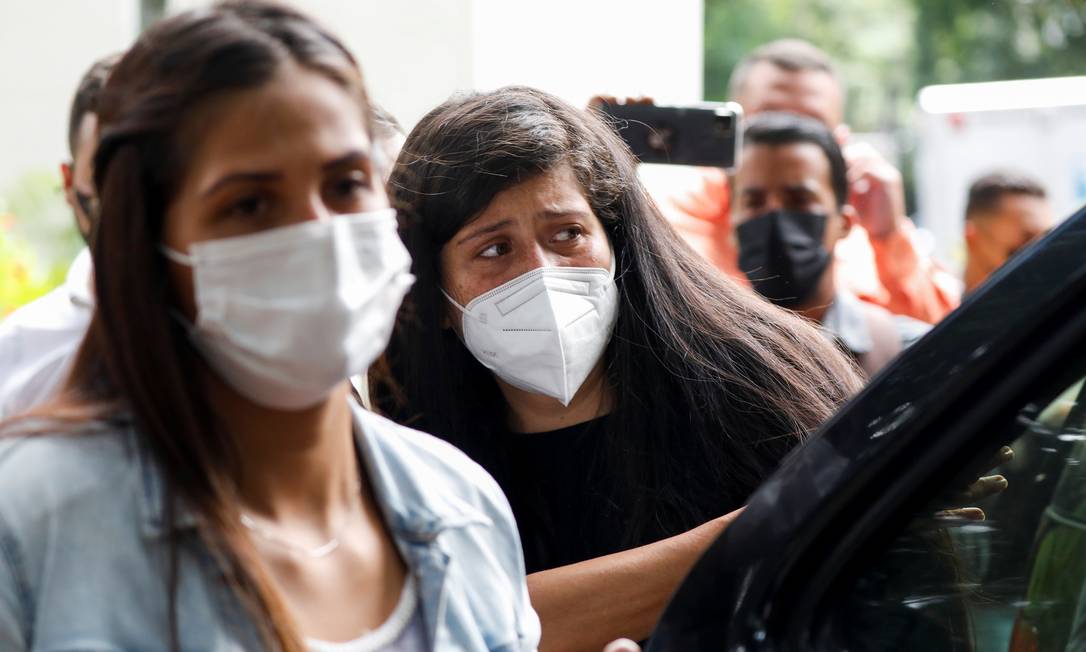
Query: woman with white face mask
626, 396
205, 468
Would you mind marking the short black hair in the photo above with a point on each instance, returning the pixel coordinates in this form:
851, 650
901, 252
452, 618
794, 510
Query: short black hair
791, 54
987, 191
86, 98
778, 128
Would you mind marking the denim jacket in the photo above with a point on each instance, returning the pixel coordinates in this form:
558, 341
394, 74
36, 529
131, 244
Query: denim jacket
83, 547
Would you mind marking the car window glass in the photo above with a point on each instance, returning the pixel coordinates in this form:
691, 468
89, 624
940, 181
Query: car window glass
1015, 581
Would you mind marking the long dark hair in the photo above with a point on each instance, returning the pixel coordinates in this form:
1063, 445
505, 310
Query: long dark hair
136, 363
704, 372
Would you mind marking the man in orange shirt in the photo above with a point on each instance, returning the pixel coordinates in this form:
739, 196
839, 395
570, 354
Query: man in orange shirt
879, 262
1005, 212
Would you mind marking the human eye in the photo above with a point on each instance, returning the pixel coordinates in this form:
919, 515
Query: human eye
248, 207
344, 193
753, 201
495, 250
569, 234
800, 199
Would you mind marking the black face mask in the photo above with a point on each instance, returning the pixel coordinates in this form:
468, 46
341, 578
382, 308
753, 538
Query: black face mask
781, 253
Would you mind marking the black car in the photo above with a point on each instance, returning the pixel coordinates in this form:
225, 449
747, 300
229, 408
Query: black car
850, 546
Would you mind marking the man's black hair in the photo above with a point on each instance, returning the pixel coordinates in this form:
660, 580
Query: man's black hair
86, 98
987, 191
777, 128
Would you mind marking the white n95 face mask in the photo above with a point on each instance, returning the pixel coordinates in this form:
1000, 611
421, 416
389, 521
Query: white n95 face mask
287, 314
545, 330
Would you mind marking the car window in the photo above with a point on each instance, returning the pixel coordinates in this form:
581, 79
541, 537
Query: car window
1015, 581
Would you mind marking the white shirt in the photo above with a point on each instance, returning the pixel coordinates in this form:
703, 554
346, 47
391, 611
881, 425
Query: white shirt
39, 340
845, 320
404, 631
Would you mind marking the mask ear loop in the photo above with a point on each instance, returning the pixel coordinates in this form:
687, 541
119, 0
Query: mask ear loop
187, 261
177, 257
453, 301
614, 263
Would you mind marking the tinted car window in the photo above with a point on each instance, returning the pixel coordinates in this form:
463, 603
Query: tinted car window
1013, 581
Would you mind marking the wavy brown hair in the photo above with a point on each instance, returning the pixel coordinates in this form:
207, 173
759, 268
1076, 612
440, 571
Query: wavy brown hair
136, 363
712, 384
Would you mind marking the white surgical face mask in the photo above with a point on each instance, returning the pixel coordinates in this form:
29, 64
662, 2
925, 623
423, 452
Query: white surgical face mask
287, 314
545, 330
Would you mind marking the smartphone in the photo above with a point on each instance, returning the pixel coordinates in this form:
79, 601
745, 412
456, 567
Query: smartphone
707, 134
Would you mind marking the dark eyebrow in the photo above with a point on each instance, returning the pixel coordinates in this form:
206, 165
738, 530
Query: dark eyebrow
486, 230
545, 214
239, 177
352, 157
553, 214
807, 185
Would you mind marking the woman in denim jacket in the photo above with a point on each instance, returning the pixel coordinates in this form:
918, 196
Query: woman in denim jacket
205, 480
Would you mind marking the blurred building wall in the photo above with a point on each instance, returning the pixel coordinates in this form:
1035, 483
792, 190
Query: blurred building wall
414, 53
45, 47
997, 126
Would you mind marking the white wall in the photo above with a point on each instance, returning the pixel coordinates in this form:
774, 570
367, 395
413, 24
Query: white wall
954, 149
45, 47
580, 48
414, 53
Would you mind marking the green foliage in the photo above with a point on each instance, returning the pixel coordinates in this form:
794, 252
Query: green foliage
38, 239
889, 49
981, 40
868, 38
22, 277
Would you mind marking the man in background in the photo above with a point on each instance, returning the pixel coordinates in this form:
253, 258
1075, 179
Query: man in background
1005, 212
791, 211
38, 341
878, 262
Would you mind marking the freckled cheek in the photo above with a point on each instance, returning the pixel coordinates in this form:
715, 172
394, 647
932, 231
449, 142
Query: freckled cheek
601, 252
458, 280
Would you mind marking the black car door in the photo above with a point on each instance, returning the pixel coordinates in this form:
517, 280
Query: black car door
850, 545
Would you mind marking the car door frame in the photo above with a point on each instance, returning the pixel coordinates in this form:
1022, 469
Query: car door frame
857, 482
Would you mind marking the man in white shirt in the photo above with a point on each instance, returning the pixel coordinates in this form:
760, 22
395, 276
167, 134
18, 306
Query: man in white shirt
791, 199
39, 340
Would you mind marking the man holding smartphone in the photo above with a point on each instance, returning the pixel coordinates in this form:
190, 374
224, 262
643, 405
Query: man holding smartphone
879, 262
791, 211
